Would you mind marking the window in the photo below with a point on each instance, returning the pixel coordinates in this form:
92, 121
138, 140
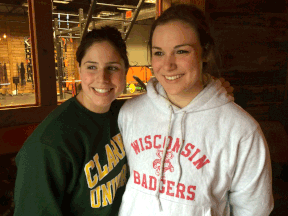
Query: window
43, 66
17, 86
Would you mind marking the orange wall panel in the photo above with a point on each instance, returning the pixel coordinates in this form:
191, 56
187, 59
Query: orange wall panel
143, 73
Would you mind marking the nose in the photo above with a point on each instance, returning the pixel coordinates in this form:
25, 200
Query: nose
102, 76
169, 62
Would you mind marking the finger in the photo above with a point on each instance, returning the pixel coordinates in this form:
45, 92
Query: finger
222, 80
226, 84
230, 89
231, 94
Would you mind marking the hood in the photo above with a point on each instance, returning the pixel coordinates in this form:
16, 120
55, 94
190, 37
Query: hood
212, 96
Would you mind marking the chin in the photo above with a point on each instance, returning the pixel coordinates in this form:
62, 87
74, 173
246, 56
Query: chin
103, 103
174, 91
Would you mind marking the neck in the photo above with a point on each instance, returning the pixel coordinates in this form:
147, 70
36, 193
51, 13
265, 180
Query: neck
187, 96
85, 101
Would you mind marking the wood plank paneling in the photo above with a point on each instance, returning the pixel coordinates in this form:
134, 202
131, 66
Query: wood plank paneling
253, 50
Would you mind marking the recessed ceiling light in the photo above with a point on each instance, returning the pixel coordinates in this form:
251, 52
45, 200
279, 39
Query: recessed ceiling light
106, 13
150, 1
61, 2
126, 9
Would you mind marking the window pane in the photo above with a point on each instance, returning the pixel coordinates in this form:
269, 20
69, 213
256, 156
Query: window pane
65, 47
140, 71
16, 71
67, 76
137, 78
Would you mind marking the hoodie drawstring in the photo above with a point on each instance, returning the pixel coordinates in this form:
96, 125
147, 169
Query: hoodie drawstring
163, 159
180, 149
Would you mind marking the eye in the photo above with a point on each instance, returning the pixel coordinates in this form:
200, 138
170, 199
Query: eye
158, 53
113, 68
182, 51
92, 67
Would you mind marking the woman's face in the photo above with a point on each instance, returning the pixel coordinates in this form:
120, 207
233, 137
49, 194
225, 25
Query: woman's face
177, 61
103, 74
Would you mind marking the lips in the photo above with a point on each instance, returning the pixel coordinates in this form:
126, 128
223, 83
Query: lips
171, 78
102, 90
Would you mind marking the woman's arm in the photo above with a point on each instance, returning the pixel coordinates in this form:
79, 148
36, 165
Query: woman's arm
41, 181
251, 188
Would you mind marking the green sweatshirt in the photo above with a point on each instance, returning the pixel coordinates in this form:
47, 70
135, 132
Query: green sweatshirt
74, 163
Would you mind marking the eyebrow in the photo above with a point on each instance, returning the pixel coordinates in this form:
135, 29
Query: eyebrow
154, 47
92, 62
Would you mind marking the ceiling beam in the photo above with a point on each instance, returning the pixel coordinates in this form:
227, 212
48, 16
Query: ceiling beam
88, 19
144, 14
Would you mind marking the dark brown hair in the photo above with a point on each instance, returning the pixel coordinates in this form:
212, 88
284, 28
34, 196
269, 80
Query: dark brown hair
106, 33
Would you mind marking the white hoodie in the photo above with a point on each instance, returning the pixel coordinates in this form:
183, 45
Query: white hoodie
217, 160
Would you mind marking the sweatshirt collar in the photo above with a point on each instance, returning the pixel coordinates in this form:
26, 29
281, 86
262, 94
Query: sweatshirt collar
212, 96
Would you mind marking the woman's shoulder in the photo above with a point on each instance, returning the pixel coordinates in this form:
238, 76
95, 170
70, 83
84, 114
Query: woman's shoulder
135, 102
238, 117
58, 126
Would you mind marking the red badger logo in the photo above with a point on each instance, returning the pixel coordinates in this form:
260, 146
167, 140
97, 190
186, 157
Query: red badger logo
167, 163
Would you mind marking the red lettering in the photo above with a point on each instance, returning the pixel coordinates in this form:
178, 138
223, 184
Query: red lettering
144, 182
176, 146
136, 177
157, 146
191, 158
163, 188
187, 149
149, 146
152, 185
191, 192
169, 183
201, 162
135, 147
180, 190
142, 148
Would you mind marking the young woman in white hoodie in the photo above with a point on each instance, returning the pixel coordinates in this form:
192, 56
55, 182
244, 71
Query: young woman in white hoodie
190, 148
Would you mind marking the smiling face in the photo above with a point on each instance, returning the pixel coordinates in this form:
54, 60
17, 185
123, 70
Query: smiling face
177, 61
102, 73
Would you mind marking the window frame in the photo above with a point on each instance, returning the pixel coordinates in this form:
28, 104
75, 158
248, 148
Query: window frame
41, 33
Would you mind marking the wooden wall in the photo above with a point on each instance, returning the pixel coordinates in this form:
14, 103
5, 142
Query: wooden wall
253, 47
